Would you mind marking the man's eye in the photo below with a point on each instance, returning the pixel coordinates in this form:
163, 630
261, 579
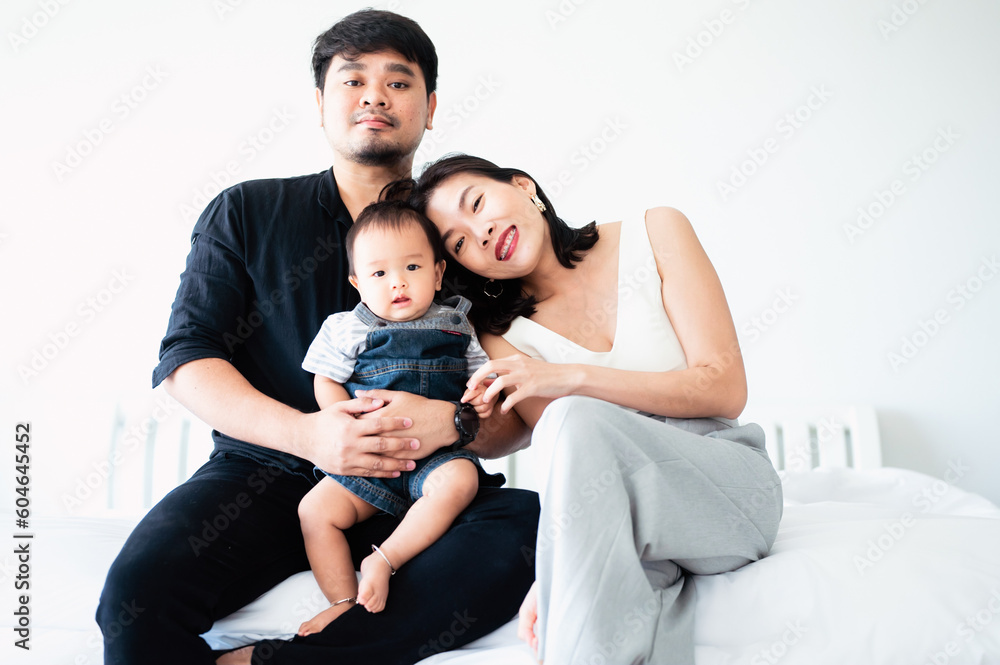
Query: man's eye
475, 204
378, 273
458, 245
399, 86
352, 83
412, 267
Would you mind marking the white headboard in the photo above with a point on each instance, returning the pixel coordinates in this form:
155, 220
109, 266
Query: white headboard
802, 438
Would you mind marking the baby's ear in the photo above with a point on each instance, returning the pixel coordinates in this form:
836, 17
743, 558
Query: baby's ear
439, 273
353, 280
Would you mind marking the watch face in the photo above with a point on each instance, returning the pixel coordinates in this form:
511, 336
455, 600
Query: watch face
470, 421
473, 421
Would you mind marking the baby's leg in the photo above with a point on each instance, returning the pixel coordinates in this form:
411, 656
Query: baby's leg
325, 513
447, 491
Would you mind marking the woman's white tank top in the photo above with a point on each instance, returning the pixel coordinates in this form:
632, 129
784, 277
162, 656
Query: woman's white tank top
644, 338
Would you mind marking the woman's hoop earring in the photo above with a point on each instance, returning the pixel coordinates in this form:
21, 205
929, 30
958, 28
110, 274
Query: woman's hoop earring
487, 292
538, 203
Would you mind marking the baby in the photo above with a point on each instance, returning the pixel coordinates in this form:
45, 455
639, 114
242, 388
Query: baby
398, 338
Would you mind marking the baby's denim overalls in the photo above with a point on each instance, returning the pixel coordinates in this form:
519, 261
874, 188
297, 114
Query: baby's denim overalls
425, 357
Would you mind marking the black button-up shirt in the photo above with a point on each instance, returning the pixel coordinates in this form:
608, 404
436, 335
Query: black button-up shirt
267, 265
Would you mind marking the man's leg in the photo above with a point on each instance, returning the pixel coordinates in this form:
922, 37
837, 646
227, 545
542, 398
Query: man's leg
465, 585
212, 545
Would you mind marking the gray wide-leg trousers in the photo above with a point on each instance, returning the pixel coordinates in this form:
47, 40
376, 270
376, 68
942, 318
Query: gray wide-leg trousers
631, 505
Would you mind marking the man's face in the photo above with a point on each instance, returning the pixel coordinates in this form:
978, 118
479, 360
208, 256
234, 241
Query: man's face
374, 109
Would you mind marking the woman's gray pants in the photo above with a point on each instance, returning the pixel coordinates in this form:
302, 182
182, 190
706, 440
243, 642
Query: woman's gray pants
630, 506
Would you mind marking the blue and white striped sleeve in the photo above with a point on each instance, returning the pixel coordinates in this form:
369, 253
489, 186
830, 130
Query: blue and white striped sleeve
334, 351
474, 355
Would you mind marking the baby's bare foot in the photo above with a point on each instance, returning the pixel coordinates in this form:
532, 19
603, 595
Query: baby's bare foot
323, 619
373, 588
238, 657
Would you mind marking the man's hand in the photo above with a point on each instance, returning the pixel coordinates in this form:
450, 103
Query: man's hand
339, 440
433, 420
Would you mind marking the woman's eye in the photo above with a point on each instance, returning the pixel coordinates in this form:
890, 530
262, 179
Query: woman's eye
475, 204
458, 245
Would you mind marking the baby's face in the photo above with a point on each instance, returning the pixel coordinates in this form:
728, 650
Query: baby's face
395, 272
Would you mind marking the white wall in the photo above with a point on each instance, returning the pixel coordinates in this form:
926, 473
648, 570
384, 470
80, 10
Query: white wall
592, 98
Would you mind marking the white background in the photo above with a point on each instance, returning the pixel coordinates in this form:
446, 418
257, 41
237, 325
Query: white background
613, 106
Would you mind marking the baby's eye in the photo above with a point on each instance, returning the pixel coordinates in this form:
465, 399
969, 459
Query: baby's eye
412, 267
378, 273
458, 245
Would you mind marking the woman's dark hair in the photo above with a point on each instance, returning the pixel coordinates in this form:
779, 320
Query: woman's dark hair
372, 30
393, 216
492, 315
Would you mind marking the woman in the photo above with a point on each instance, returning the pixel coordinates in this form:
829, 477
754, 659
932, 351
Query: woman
580, 323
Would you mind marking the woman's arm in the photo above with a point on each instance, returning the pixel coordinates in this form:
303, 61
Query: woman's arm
714, 383
528, 408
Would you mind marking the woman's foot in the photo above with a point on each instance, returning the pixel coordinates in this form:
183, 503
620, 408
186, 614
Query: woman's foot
323, 619
238, 657
373, 588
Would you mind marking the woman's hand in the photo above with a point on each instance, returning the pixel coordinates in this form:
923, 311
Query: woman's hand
528, 617
522, 377
484, 408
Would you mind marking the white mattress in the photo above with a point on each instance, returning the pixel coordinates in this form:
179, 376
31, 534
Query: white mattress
877, 566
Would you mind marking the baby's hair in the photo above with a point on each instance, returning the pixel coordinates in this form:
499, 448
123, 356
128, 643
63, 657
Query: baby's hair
392, 216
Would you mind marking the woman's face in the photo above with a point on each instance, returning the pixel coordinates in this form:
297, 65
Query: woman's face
492, 228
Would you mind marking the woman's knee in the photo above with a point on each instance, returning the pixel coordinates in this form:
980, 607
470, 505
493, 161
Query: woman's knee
568, 427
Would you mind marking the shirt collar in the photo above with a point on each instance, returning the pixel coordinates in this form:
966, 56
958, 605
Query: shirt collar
329, 199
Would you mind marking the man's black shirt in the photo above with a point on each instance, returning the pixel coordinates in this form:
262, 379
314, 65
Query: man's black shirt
267, 265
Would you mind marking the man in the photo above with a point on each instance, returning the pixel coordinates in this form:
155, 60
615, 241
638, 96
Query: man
267, 266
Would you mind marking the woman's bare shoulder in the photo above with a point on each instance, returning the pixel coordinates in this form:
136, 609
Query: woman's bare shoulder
670, 232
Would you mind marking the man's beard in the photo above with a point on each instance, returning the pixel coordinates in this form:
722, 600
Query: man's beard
378, 153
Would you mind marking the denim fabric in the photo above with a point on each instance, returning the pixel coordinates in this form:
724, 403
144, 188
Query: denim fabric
425, 357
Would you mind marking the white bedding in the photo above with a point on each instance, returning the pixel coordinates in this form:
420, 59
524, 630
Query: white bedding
876, 566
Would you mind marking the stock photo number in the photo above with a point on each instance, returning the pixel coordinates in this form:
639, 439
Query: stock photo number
22, 538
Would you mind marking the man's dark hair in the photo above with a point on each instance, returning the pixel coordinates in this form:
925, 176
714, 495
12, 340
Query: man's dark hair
492, 314
371, 30
391, 216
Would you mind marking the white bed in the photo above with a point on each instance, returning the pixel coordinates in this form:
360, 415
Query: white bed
871, 565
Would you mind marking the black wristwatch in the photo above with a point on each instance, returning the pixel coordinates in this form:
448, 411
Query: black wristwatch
467, 424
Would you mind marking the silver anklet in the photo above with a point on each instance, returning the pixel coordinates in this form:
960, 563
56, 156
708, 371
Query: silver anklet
392, 571
352, 599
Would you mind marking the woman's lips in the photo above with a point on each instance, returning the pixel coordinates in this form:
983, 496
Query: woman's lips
506, 244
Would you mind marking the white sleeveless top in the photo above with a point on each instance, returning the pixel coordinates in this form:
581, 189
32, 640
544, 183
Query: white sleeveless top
644, 339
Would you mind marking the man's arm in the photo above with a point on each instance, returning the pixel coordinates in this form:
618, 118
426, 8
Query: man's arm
434, 424
333, 438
